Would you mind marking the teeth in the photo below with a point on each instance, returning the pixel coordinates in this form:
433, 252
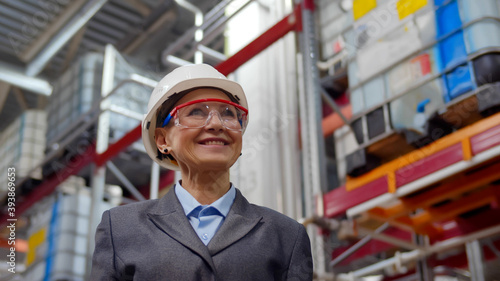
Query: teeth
214, 143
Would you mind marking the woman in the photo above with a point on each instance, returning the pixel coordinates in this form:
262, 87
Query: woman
203, 228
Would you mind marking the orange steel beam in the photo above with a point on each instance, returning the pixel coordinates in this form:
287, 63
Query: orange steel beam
421, 222
454, 188
406, 224
392, 212
466, 203
438, 145
438, 194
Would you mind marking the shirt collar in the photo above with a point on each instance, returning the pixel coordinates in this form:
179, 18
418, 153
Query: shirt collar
189, 203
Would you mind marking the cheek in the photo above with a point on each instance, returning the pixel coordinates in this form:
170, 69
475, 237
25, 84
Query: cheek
238, 139
182, 143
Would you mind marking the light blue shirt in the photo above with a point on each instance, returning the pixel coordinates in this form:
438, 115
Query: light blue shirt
205, 219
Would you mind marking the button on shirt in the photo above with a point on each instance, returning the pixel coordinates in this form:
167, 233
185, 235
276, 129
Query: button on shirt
205, 219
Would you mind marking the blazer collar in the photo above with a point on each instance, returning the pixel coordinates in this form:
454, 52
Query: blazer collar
168, 215
240, 220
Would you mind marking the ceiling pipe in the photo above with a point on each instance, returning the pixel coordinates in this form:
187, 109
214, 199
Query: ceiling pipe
177, 61
220, 57
215, 29
64, 35
198, 21
9, 75
212, 16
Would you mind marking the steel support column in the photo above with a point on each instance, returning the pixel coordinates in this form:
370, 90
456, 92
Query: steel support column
102, 143
314, 155
424, 272
198, 22
475, 258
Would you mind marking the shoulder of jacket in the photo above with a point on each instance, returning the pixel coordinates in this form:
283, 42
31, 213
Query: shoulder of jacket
274, 216
131, 208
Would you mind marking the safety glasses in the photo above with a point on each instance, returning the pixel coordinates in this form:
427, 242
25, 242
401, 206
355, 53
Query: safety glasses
198, 113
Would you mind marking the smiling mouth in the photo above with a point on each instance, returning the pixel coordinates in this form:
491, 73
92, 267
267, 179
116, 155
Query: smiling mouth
214, 143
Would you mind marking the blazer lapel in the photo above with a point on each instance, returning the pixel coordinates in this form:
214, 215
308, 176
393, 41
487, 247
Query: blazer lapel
239, 221
170, 218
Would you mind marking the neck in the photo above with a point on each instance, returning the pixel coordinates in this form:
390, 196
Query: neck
206, 187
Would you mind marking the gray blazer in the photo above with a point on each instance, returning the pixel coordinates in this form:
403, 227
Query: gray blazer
153, 240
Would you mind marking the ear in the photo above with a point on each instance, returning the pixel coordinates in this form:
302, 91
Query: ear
162, 142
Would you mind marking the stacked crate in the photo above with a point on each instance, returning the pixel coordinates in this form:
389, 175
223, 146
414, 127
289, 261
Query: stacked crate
22, 146
413, 66
73, 96
77, 94
58, 233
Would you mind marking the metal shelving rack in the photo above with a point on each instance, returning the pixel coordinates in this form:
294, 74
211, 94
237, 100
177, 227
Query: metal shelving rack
428, 201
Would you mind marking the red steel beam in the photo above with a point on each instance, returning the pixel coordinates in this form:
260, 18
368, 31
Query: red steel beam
289, 23
118, 146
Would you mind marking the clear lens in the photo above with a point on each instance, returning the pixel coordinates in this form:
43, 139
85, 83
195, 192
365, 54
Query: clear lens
197, 115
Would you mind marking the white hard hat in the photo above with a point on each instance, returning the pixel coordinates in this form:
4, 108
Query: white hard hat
179, 80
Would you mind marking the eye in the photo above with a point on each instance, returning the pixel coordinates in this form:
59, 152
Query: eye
229, 112
196, 112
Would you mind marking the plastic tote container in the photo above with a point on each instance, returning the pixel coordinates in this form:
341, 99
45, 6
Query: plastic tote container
79, 90
474, 9
404, 108
450, 35
389, 33
482, 34
458, 81
412, 71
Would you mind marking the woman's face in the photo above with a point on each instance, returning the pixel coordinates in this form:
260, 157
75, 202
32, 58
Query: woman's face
212, 147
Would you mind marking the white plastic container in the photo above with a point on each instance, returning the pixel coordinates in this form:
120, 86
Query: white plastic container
332, 20
22, 146
481, 35
404, 108
374, 92
474, 9
64, 245
357, 101
352, 73
412, 71
384, 39
79, 90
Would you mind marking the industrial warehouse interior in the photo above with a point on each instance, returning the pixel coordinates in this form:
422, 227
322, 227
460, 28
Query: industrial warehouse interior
373, 123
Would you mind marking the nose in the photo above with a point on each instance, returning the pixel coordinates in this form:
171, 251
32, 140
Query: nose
214, 121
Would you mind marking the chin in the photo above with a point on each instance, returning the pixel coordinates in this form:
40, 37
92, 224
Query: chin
216, 164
